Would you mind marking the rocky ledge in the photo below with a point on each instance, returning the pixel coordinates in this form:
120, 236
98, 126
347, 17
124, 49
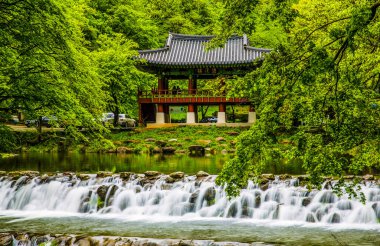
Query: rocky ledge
13, 238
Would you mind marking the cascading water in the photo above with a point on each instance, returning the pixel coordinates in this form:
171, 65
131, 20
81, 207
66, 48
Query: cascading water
189, 197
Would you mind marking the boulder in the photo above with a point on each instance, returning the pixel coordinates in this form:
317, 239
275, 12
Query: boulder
172, 140
376, 209
209, 195
194, 196
109, 241
168, 150
6, 239
30, 173
349, 177
84, 242
170, 180
335, 218
150, 140
125, 175
268, 176
285, 176
368, 177
204, 142
303, 178
102, 174
132, 141
125, 150
233, 133
306, 201
220, 139
111, 151
102, 192
82, 176
180, 151
22, 238
257, 201
197, 150
3, 173
161, 143
232, 210
201, 174
152, 173
264, 184
156, 150
310, 218
177, 175
41, 240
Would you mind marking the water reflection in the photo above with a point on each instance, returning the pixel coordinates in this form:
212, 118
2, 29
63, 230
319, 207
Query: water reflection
94, 162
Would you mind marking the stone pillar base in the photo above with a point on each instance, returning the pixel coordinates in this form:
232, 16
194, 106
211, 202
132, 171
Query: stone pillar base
251, 117
160, 117
221, 117
190, 117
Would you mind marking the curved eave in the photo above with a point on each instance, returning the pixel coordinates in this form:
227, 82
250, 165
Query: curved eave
153, 67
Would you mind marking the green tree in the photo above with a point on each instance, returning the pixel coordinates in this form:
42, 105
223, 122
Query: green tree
122, 79
320, 90
45, 70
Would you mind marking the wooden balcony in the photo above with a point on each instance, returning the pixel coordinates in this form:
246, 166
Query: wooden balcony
187, 96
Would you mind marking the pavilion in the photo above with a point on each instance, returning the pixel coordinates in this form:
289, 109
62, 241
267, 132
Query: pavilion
186, 57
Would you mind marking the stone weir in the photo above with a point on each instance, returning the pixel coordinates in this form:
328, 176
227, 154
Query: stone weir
282, 198
25, 239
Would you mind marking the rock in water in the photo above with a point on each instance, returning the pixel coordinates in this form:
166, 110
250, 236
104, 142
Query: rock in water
335, 218
151, 173
306, 201
268, 176
102, 192
168, 150
310, 218
177, 175
202, 174
6, 239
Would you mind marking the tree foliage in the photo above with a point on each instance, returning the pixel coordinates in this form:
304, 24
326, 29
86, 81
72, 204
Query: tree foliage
320, 91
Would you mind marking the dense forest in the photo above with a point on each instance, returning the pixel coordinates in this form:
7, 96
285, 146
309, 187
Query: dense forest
319, 87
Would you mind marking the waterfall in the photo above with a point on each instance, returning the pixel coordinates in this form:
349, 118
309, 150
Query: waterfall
189, 197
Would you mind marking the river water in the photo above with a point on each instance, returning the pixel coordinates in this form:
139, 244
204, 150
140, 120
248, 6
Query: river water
93, 162
188, 207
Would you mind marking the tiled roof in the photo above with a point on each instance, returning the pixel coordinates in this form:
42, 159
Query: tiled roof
190, 50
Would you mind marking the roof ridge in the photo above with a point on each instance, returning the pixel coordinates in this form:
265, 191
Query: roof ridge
180, 35
152, 51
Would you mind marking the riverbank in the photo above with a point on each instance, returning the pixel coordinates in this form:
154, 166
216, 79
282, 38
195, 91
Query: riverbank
178, 140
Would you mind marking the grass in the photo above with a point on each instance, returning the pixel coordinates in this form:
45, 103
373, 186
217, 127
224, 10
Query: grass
180, 138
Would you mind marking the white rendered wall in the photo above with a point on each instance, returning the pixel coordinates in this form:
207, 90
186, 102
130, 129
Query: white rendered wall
160, 117
251, 117
190, 117
221, 117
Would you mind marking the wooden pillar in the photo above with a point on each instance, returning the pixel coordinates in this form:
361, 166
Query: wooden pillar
167, 113
160, 108
140, 116
161, 85
192, 86
222, 107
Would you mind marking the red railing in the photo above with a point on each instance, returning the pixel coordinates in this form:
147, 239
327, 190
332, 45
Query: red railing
186, 96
